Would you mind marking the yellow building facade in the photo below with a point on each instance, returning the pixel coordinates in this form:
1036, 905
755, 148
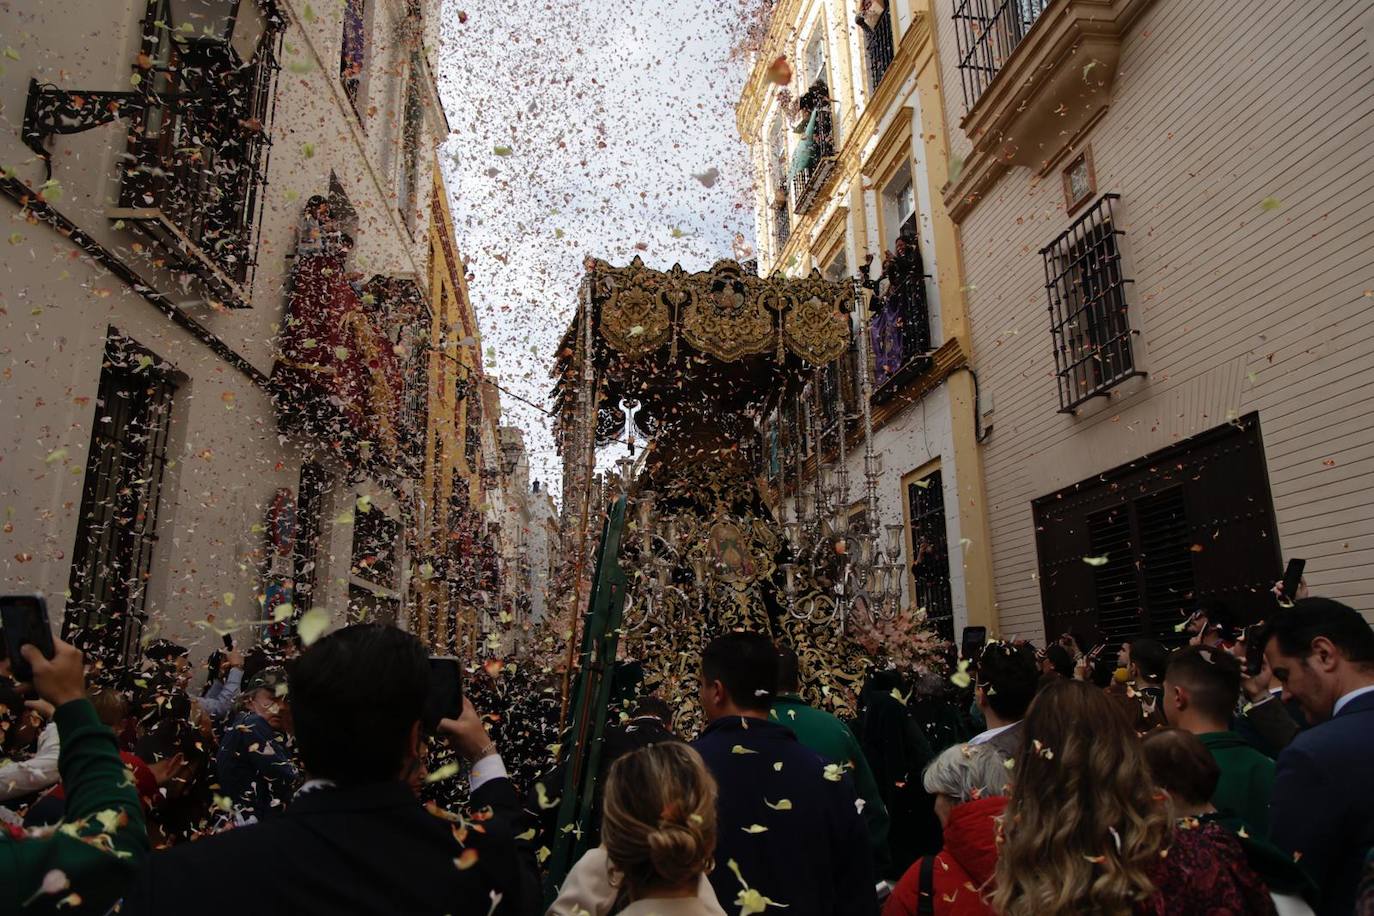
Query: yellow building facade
450, 528
843, 113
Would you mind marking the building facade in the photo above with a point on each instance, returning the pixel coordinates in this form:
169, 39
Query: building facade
215, 312
1168, 280
448, 569
844, 114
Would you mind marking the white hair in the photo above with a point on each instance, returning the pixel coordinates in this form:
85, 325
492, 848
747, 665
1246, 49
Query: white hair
968, 771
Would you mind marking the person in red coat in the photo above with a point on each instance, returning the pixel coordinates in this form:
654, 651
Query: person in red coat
968, 782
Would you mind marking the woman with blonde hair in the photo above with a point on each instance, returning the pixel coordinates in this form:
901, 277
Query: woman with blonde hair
1085, 830
658, 835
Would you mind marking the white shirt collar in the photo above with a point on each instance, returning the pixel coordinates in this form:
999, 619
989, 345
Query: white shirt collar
1358, 692
315, 785
990, 734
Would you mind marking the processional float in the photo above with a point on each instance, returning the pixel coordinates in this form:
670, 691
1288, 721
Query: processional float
693, 542
693, 362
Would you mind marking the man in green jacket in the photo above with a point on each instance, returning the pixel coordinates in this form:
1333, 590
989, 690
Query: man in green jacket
85, 863
832, 739
1201, 690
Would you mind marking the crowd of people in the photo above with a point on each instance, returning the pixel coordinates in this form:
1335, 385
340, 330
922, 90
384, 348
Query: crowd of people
1202, 778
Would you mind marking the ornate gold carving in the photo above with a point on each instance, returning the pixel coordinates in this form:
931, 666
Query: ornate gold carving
815, 324
724, 312
634, 317
726, 318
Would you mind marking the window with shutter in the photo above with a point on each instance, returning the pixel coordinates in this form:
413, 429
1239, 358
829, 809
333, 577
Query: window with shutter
1133, 551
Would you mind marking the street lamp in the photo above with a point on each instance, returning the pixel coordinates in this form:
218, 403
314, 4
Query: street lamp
210, 25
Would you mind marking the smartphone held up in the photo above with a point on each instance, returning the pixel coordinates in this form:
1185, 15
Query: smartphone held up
25, 621
445, 699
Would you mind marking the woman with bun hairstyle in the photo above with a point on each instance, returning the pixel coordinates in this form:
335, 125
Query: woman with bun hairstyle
658, 836
660, 830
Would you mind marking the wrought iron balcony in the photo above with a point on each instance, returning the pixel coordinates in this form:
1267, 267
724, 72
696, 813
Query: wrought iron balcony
811, 171
199, 116
880, 48
899, 330
195, 172
987, 32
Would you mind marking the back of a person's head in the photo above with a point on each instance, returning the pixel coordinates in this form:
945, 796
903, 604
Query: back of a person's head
1308, 619
789, 674
1150, 657
170, 737
1060, 659
967, 772
1220, 618
1181, 765
355, 695
659, 828
110, 705
747, 664
164, 651
1009, 677
652, 704
1080, 792
255, 660
1212, 678
161, 697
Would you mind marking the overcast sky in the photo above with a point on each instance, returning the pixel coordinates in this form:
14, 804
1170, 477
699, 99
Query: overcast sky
578, 128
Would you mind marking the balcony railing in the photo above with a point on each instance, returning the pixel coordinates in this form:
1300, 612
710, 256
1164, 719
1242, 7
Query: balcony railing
814, 161
196, 169
899, 330
880, 48
987, 32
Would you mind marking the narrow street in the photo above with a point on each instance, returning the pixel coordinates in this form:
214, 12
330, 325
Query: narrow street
686, 457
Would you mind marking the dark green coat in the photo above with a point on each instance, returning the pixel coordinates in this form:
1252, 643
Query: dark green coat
1247, 779
832, 739
102, 839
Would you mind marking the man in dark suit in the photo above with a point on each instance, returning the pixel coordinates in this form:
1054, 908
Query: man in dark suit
647, 724
1322, 652
356, 839
789, 829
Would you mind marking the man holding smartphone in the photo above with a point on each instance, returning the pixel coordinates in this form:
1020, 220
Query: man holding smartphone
356, 837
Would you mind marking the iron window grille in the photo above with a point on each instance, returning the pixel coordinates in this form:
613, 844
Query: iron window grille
353, 51
197, 169
1147, 583
120, 501
899, 327
987, 32
1089, 314
930, 553
412, 120
879, 47
782, 228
